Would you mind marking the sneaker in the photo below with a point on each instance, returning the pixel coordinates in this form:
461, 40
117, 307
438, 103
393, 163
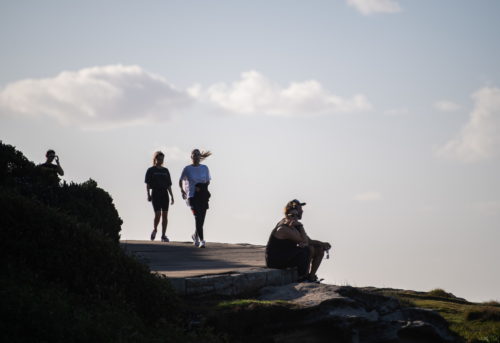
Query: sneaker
313, 279
195, 239
153, 235
202, 244
165, 239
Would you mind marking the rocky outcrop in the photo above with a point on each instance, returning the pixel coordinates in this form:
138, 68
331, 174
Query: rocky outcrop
327, 313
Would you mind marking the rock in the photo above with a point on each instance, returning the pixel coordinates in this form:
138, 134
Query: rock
328, 313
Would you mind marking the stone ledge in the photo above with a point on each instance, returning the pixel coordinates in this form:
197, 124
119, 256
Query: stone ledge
234, 283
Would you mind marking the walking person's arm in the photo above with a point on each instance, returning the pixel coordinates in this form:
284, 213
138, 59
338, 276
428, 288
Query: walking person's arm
181, 179
182, 190
171, 195
148, 191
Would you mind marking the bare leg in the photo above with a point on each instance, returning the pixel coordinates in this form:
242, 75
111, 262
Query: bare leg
164, 222
157, 219
155, 224
317, 253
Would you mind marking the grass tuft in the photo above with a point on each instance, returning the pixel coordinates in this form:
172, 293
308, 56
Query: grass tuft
483, 313
247, 302
439, 292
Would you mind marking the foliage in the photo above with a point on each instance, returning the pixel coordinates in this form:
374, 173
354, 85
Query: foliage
484, 313
251, 302
64, 276
473, 322
438, 292
87, 202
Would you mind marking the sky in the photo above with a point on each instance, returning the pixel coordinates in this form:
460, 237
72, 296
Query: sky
382, 115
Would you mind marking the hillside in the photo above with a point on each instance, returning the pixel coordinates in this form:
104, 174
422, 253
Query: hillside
65, 277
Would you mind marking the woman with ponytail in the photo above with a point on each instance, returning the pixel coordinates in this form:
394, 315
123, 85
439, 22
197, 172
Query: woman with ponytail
158, 186
194, 182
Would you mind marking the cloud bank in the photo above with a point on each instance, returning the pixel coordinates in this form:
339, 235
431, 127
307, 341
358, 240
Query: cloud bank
111, 96
368, 196
479, 139
367, 7
446, 106
256, 94
98, 97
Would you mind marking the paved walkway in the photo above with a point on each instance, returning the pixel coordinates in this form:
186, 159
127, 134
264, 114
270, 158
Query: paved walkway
220, 268
182, 259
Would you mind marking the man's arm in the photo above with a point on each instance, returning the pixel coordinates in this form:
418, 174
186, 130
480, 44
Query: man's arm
324, 245
60, 171
148, 191
302, 232
285, 232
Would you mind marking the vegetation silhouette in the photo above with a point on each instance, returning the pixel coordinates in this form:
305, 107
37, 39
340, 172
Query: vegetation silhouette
65, 277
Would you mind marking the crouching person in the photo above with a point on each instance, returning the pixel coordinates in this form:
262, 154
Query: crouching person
289, 245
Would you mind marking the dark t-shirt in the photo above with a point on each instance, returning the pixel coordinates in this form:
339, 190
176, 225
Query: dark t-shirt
158, 178
49, 168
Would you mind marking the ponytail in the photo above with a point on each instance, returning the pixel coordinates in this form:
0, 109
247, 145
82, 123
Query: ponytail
203, 154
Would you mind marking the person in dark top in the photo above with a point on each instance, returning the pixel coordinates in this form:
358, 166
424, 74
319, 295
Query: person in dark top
49, 167
289, 245
158, 186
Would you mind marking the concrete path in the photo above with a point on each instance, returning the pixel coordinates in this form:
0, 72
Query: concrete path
220, 268
182, 259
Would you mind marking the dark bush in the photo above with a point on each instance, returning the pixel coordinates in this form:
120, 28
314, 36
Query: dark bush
486, 313
87, 202
441, 293
64, 277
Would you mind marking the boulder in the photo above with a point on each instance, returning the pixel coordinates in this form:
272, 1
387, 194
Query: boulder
327, 313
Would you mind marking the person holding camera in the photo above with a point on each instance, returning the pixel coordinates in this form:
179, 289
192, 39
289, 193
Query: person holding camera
49, 167
290, 246
158, 186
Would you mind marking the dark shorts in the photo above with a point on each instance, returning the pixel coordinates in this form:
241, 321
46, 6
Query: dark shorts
297, 257
160, 200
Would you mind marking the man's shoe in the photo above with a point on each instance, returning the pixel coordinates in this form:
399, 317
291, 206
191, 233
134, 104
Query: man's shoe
202, 244
165, 239
153, 235
195, 239
313, 279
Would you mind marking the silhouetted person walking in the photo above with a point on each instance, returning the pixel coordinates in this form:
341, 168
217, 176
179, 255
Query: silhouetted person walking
158, 186
194, 182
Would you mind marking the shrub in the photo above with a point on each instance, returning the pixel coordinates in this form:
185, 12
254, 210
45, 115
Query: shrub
87, 202
485, 313
441, 293
64, 276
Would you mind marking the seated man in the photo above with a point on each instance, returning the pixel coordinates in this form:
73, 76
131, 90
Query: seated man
289, 245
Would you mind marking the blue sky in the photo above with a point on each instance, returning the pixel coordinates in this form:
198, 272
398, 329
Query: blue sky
383, 115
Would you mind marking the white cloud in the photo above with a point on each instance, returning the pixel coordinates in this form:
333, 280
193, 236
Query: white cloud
367, 7
256, 94
368, 196
173, 153
446, 106
395, 112
480, 137
98, 97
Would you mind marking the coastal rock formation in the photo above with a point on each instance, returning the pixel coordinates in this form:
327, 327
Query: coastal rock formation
309, 312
